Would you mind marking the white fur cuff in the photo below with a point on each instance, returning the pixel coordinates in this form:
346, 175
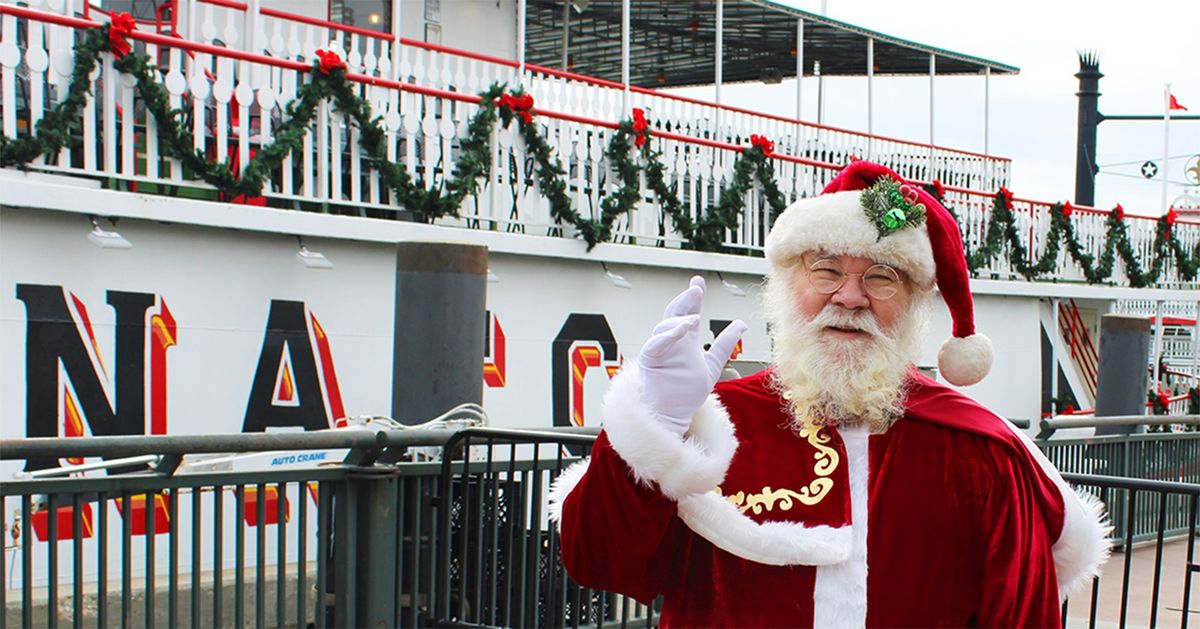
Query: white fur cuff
681, 467
562, 487
1084, 545
773, 543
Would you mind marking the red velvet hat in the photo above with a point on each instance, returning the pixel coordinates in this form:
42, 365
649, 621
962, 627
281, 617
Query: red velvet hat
868, 210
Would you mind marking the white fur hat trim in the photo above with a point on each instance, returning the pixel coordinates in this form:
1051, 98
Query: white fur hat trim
836, 224
965, 361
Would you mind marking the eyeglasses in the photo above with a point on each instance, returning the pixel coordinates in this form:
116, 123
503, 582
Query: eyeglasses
880, 281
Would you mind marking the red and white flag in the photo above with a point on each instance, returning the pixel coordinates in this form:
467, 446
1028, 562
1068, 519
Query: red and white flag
1174, 105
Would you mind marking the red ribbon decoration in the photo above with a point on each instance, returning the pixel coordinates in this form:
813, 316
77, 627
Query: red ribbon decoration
639, 126
1164, 400
1008, 196
1172, 216
941, 190
1067, 209
119, 28
1119, 212
330, 61
762, 142
519, 105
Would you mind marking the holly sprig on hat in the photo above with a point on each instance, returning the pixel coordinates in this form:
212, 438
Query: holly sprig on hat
892, 206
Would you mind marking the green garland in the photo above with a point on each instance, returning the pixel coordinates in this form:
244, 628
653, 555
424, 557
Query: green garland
1002, 231
706, 232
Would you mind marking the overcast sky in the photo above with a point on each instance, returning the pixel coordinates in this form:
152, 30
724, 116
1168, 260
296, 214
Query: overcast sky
1142, 45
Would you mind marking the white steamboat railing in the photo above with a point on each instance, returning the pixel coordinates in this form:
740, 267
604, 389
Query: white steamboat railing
233, 92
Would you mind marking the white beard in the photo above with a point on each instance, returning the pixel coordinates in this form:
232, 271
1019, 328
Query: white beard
832, 381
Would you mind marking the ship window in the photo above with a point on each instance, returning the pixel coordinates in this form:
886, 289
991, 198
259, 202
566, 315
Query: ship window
375, 15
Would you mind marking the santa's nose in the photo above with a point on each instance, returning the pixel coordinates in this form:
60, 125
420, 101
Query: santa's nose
851, 295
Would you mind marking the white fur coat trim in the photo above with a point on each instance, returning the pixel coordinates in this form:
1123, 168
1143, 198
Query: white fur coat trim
562, 487
1083, 545
773, 543
681, 467
840, 591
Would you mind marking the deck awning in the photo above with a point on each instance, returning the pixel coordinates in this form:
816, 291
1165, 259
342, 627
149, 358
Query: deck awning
672, 43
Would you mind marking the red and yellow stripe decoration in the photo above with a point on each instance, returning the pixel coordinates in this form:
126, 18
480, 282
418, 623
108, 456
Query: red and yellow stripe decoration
584, 357
270, 508
495, 365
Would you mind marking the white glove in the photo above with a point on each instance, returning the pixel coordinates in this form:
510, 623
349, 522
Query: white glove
676, 373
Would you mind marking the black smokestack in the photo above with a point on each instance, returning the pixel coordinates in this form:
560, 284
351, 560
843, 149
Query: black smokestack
1089, 118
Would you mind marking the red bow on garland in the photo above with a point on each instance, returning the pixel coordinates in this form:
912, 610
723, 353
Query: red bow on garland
519, 105
639, 126
1164, 400
941, 190
330, 61
1172, 216
762, 142
1119, 212
1067, 209
119, 28
1008, 197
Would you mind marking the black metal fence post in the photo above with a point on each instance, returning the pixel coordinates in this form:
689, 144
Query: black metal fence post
376, 544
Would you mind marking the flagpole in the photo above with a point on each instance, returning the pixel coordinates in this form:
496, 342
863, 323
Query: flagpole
1166, 143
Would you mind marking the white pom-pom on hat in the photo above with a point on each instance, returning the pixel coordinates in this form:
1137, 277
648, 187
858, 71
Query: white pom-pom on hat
964, 361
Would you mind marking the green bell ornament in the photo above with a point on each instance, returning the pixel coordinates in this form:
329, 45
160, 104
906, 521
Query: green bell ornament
894, 218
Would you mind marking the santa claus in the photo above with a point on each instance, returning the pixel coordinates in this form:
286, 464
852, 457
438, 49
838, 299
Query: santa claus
839, 487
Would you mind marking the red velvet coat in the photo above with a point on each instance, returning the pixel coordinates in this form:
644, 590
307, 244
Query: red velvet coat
957, 522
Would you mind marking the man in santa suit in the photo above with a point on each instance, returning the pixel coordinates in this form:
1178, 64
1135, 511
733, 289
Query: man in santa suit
839, 487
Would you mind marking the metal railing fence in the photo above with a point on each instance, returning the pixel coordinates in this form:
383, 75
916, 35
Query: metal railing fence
379, 539
500, 563
1168, 457
1142, 496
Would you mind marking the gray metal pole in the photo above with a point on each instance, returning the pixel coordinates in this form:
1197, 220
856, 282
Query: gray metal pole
521, 42
870, 98
932, 74
566, 33
720, 53
625, 9
397, 32
1121, 383
799, 68
987, 87
440, 297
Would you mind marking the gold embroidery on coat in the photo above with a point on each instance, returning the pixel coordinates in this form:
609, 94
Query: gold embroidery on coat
827, 460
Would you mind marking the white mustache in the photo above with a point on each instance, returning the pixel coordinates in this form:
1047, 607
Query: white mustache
832, 316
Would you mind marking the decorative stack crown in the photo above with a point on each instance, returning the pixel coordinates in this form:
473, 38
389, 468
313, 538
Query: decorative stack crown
869, 211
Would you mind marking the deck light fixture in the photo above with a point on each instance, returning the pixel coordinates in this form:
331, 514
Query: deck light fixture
312, 259
617, 280
107, 239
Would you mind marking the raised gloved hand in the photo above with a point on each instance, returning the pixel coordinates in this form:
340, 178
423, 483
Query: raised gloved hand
676, 373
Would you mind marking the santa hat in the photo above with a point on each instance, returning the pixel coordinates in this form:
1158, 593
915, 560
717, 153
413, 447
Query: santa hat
869, 211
